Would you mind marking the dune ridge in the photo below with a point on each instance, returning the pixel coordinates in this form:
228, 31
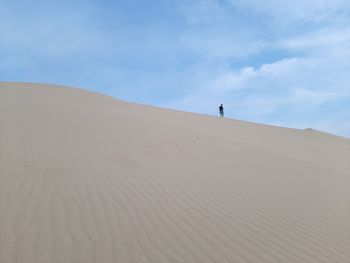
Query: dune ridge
88, 178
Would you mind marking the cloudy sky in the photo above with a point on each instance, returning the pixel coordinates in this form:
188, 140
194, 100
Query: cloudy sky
284, 63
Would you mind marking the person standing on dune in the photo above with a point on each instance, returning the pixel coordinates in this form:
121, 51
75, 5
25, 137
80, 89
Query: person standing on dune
221, 110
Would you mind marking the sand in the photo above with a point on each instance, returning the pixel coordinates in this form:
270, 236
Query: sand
89, 178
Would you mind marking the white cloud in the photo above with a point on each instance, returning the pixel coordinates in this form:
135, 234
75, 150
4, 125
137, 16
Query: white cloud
213, 32
298, 90
280, 92
332, 41
297, 11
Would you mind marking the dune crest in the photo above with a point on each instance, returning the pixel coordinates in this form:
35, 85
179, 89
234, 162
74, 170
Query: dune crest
88, 178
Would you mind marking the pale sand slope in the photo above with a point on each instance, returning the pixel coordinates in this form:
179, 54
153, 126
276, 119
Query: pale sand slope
88, 178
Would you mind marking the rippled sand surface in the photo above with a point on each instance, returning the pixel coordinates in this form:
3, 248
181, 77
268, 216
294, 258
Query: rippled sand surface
88, 178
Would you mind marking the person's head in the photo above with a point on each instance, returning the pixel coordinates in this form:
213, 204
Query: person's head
222, 105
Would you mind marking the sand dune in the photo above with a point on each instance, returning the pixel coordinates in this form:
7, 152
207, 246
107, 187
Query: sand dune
88, 178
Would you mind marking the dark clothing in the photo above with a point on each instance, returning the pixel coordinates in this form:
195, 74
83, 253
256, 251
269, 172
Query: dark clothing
221, 109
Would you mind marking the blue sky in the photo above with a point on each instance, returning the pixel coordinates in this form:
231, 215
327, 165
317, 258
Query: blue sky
284, 63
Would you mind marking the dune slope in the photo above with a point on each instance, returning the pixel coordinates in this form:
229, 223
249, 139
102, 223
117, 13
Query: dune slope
88, 178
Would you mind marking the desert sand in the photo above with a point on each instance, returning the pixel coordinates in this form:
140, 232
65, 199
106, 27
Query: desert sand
88, 178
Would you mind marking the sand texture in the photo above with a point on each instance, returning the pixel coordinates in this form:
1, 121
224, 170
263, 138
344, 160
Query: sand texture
88, 178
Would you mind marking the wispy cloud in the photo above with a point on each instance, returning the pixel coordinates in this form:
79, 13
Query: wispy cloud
297, 11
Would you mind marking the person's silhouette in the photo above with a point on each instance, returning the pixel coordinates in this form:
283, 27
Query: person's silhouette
221, 110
